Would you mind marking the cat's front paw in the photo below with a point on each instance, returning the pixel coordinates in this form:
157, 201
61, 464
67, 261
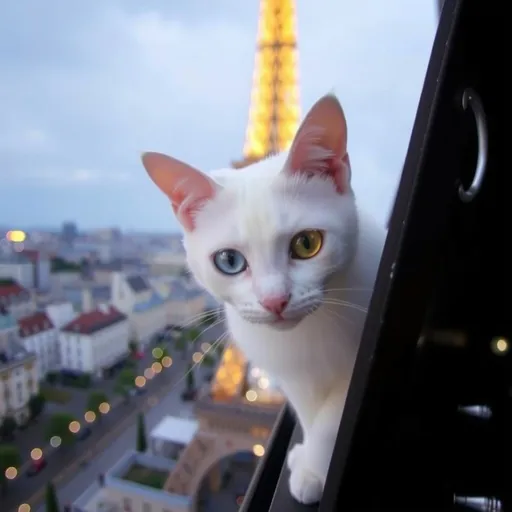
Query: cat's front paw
305, 486
294, 455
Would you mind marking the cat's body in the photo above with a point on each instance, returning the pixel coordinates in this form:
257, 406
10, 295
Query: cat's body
284, 247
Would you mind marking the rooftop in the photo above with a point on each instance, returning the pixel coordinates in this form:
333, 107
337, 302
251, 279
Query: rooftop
138, 284
145, 475
10, 288
94, 321
153, 301
137, 474
175, 430
33, 324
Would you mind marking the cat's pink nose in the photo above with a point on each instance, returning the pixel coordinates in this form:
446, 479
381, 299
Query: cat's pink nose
275, 304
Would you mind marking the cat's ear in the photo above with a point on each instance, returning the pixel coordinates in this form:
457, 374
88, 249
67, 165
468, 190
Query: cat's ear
186, 187
320, 145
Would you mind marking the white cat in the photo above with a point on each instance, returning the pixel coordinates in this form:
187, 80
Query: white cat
284, 246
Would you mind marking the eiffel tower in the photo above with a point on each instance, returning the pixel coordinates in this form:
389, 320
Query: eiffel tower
239, 411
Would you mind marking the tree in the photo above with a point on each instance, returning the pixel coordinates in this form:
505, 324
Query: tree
208, 360
191, 380
142, 443
133, 346
193, 335
52, 503
36, 405
9, 457
125, 382
8, 427
94, 400
159, 353
58, 426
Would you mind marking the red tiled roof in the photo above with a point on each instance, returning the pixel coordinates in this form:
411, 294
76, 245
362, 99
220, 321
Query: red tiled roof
38, 322
9, 289
93, 321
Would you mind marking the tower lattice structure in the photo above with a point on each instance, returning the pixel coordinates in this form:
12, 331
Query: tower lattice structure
275, 103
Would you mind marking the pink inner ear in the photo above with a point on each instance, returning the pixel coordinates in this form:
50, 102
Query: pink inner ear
320, 146
187, 188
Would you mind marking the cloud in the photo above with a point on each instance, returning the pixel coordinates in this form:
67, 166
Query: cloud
86, 87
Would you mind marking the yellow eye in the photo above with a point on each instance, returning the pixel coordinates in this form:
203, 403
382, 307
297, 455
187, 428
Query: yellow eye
306, 244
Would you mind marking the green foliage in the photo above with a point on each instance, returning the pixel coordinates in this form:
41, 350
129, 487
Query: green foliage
142, 443
52, 503
133, 346
9, 456
94, 400
62, 265
52, 377
208, 360
59, 426
159, 353
83, 381
191, 378
125, 382
36, 405
193, 334
7, 428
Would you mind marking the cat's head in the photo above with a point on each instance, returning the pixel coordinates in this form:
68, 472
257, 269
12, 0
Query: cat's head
265, 239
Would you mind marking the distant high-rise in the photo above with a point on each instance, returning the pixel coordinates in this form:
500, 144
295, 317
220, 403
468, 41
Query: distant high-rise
69, 232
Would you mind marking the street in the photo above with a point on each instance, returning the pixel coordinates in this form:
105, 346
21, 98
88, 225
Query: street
171, 404
109, 440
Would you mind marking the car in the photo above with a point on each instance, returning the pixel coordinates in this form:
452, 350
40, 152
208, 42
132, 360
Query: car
36, 467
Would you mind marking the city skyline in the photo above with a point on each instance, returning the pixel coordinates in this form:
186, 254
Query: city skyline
107, 81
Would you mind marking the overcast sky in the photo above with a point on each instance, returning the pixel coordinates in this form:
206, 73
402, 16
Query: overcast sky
86, 86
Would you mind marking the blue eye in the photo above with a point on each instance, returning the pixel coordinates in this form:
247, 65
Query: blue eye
229, 261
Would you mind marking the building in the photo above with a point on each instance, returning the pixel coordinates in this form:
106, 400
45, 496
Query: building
16, 298
168, 263
41, 269
19, 379
186, 301
17, 267
134, 484
146, 308
94, 341
39, 336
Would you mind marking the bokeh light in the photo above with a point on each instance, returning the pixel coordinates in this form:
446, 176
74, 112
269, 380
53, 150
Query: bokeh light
89, 416
11, 473
157, 352
55, 441
74, 427
140, 381
251, 395
205, 346
24, 507
149, 373
16, 236
258, 450
104, 408
156, 367
167, 361
36, 454
196, 357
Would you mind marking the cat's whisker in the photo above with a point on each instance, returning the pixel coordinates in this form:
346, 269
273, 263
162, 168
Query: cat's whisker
204, 315
336, 302
351, 289
336, 315
213, 346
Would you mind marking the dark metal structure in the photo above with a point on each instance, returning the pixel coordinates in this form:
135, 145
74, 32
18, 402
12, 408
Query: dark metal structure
427, 422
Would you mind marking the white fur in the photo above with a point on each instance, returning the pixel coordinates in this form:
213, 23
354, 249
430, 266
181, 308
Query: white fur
257, 211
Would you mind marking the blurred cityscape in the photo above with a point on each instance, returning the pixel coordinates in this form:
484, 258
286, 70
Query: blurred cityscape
115, 383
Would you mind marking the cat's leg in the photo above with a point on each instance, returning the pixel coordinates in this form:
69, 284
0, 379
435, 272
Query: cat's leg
311, 461
305, 405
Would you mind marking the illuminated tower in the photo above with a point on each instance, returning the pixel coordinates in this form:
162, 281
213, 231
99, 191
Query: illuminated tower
275, 111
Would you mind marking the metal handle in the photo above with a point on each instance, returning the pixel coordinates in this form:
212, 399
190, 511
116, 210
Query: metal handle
470, 98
